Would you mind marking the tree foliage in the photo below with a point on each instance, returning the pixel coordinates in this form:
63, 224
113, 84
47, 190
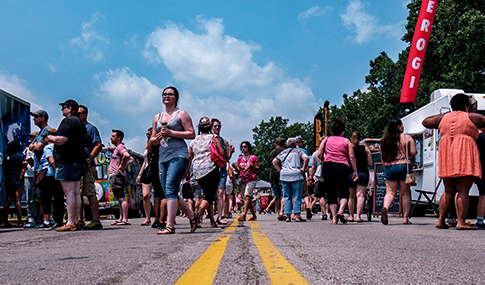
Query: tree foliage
265, 134
454, 59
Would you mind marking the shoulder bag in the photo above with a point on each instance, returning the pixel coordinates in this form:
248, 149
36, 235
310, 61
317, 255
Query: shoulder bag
216, 157
319, 171
410, 178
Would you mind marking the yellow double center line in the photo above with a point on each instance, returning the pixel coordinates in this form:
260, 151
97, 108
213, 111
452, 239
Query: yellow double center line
204, 270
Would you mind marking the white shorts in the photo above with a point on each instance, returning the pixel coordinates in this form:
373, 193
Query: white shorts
247, 188
229, 187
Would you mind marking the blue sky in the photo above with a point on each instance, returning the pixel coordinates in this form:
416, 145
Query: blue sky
239, 61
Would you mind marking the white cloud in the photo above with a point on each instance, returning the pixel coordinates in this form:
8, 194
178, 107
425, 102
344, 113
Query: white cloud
366, 26
129, 92
131, 40
51, 67
314, 11
216, 76
209, 61
91, 42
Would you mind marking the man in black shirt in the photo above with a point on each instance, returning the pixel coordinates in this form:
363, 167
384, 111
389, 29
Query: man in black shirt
70, 160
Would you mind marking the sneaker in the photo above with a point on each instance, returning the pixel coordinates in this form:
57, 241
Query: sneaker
66, 228
480, 226
324, 217
45, 227
29, 225
94, 225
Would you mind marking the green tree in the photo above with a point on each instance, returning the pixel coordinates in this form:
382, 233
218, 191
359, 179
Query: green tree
454, 59
266, 133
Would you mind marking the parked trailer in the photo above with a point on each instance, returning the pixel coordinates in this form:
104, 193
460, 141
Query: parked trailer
14, 125
425, 163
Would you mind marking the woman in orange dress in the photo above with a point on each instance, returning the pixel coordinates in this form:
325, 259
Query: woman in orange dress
458, 156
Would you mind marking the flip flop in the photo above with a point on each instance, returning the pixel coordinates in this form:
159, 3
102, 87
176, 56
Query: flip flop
145, 223
466, 227
359, 221
123, 224
341, 218
166, 231
407, 223
115, 223
442, 226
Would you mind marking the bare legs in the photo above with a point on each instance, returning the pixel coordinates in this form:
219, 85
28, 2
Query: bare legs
360, 191
6, 207
404, 192
147, 195
455, 188
340, 207
73, 199
172, 207
248, 207
220, 204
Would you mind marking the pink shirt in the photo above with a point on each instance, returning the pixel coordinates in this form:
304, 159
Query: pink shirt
336, 150
247, 174
116, 158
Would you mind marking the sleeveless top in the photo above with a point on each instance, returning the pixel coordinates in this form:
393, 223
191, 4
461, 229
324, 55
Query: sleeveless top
458, 152
361, 159
176, 146
336, 150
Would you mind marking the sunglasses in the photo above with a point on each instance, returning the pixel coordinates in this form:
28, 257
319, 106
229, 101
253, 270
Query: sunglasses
216, 126
168, 94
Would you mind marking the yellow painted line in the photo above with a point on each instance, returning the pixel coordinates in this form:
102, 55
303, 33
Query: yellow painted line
205, 268
280, 271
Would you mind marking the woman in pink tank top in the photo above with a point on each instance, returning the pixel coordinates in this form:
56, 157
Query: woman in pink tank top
338, 152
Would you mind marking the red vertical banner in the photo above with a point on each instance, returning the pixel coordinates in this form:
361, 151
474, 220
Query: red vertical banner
418, 49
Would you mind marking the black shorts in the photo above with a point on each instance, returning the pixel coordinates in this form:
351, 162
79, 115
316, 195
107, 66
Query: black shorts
209, 185
336, 181
320, 190
157, 186
118, 184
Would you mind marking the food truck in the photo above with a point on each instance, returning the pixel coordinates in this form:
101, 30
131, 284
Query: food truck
425, 163
14, 125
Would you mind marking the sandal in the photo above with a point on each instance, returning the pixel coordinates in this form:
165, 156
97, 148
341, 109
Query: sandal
342, 219
222, 222
349, 219
146, 223
193, 224
122, 223
288, 219
299, 219
166, 231
359, 221
115, 223
253, 218
408, 222
466, 227
229, 216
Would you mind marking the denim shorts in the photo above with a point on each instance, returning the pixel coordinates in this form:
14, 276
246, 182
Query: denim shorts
395, 172
222, 182
171, 174
276, 189
70, 172
362, 180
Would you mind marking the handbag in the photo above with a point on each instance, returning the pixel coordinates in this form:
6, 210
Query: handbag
216, 157
319, 171
40, 178
146, 175
410, 178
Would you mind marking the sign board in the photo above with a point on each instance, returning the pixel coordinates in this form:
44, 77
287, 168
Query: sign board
380, 192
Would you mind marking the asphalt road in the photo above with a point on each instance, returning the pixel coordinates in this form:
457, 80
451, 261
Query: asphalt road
321, 253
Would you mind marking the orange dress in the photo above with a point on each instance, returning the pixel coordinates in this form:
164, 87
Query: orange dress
458, 152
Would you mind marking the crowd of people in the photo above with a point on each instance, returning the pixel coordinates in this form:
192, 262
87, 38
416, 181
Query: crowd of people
198, 179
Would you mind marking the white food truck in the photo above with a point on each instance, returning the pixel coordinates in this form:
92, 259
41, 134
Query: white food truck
425, 163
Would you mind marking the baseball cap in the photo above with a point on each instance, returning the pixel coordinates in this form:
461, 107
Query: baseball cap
40, 113
299, 139
70, 103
